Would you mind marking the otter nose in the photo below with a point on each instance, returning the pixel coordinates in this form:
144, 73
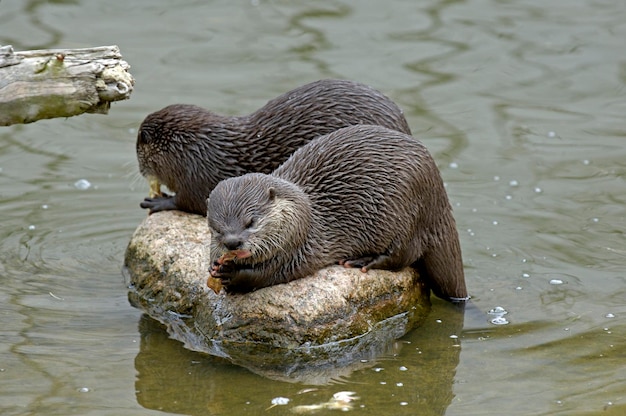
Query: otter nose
232, 242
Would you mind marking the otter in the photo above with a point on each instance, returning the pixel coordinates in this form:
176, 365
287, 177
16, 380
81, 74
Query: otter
190, 149
362, 196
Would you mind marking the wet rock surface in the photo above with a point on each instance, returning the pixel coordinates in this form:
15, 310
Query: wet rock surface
307, 330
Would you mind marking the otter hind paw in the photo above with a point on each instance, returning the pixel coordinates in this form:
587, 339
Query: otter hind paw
365, 263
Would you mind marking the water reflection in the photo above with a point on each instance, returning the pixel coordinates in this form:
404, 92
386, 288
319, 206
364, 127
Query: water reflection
418, 371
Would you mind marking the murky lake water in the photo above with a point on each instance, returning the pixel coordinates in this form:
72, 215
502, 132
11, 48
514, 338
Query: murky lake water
522, 104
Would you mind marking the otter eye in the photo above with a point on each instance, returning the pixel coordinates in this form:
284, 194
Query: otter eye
144, 137
214, 230
250, 223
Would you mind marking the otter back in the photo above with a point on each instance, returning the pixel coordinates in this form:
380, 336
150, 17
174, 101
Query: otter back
190, 149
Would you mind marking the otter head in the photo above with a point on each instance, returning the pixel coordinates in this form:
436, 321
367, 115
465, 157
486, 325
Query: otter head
168, 145
257, 214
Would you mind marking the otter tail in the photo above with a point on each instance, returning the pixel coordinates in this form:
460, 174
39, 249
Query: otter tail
441, 266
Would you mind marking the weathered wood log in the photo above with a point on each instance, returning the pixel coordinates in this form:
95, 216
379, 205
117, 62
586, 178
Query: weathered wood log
51, 83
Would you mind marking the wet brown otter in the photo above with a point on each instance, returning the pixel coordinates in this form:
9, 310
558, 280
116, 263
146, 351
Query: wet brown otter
190, 149
363, 196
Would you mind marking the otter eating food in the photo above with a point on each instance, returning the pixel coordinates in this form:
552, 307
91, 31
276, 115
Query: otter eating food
362, 196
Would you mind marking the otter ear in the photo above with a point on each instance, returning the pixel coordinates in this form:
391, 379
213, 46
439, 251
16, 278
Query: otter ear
143, 136
271, 193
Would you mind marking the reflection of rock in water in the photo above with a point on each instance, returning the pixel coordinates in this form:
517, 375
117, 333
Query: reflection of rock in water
173, 379
311, 365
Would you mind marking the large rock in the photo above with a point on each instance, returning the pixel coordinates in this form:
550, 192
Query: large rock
306, 330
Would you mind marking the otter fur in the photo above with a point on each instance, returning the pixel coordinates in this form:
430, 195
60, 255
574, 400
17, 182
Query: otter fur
190, 149
362, 196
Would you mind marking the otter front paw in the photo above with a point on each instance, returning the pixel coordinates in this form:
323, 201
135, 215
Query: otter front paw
222, 271
237, 278
159, 203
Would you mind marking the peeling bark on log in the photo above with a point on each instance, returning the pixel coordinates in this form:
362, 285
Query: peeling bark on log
51, 83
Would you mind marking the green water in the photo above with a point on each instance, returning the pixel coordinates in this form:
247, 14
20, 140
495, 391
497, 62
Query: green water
522, 104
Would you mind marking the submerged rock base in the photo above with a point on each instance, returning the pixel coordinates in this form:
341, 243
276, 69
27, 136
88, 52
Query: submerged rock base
307, 330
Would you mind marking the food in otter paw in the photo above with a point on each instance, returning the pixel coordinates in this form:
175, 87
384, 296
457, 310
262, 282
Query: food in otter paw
214, 284
233, 254
155, 188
